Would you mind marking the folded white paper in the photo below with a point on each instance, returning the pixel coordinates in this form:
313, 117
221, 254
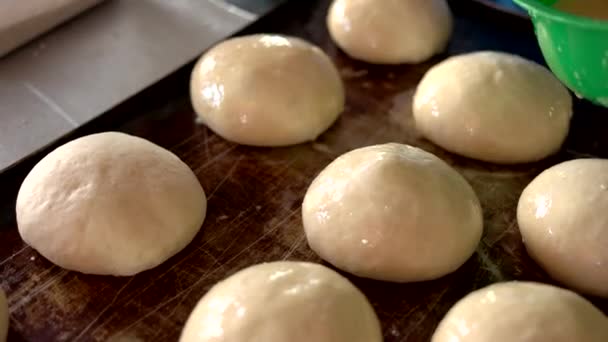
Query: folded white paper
23, 20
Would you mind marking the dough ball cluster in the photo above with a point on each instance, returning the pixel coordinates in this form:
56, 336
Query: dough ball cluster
392, 212
267, 90
283, 301
110, 203
115, 204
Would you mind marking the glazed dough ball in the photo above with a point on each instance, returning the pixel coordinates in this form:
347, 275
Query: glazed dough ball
522, 311
3, 316
390, 31
494, 107
110, 203
563, 219
392, 212
267, 90
283, 301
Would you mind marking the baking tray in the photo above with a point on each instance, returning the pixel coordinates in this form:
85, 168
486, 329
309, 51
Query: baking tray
255, 195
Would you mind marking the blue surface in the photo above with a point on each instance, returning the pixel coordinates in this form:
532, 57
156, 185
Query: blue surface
508, 4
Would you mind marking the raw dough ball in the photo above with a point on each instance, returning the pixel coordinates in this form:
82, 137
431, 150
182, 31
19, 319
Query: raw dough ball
283, 301
110, 203
563, 219
3, 316
267, 90
390, 31
392, 212
522, 311
494, 107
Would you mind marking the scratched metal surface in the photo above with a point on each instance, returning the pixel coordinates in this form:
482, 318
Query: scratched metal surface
255, 195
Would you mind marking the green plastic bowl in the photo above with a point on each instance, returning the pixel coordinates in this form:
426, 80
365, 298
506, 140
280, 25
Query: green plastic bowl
575, 48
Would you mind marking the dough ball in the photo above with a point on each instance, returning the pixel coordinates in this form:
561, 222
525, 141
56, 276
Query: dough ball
3, 316
563, 219
522, 311
283, 301
267, 90
110, 203
390, 31
392, 212
494, 107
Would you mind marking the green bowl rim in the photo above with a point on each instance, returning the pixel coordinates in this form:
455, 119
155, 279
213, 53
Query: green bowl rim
548, 11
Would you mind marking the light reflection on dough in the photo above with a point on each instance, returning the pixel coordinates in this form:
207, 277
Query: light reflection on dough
270, 41
543, 205
214, 93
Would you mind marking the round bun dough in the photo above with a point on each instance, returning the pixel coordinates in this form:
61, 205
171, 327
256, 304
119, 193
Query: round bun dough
522, 311
494, 107
110, 203
563, 219
267, 90
283, 301
392, 212
3, 317
390, 31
